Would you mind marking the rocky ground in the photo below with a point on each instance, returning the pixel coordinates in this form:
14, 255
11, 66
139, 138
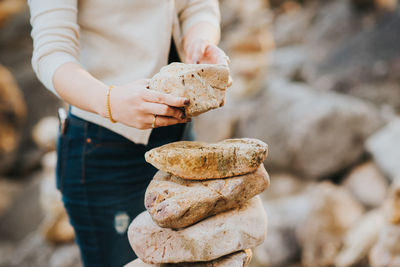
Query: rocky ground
318, 80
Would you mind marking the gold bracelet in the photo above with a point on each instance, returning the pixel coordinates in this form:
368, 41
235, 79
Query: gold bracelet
108, 104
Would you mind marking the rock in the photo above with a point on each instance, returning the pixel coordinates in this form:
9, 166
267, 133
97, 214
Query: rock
284, 185
303, 124
367, 185
385, 148
9, 188
214, 237
288, 61
386, 251
285, 216
176, 203
203, 84
12, 118
45, 133
33, 250
249, 70
291, 27
332, 214
360, 239
8, 8
237, 259
197, 160
55, 227
342, 45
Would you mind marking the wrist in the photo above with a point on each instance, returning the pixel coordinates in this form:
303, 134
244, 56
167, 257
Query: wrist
100, 103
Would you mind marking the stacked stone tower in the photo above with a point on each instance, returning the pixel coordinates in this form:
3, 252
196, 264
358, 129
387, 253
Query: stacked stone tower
202, 206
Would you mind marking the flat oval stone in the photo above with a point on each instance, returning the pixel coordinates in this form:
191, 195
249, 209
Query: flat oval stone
207, 240
175, 203
200, 161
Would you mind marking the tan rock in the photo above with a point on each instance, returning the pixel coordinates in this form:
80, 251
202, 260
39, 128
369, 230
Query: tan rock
203, 84
360, 239
333, 213
367, 184
386, 251
237, 259
45, 133
214, 237
197, 160
175, 203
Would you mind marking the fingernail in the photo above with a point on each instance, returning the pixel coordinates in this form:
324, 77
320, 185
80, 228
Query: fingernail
187, 102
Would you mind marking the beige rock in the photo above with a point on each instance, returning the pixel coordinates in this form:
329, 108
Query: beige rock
237, 259
360, 239
367, 184
203, 84
214, 237
55, 227
386, 251
45, 133
175, 203
284, 185
333, 213
197, 160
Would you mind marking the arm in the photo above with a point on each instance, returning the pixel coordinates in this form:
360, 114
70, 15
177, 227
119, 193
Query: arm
55, 60
200, 21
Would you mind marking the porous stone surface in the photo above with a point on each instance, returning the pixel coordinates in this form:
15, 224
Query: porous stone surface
198, 160
175, 203
203, 84
214, 237
237, 259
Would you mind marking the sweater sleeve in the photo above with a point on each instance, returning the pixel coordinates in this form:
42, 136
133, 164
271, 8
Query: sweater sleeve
199, 11
55, 34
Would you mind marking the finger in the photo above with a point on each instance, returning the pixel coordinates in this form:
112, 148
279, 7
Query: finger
161, 121
162, 98
163, 110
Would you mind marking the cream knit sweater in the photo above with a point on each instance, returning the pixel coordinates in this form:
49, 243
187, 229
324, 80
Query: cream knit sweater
116, 41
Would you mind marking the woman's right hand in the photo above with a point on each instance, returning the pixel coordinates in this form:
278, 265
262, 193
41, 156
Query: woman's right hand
135, 105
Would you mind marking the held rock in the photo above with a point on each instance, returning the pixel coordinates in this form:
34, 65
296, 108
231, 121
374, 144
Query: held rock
175, 203
214, 237
203, 84
200, 161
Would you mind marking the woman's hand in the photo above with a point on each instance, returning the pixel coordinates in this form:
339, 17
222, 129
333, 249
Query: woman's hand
201, 51
135, 105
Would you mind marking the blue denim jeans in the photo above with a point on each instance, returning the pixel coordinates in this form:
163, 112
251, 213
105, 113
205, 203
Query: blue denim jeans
103, 177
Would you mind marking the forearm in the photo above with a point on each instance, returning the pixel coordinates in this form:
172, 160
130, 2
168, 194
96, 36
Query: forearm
78, 88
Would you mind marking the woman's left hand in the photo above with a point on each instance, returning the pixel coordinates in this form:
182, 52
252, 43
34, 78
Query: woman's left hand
203, 52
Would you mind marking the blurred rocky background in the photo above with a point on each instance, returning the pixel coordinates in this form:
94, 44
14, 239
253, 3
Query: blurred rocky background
318, 80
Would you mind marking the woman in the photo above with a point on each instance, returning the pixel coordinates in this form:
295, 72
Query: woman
97, 55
